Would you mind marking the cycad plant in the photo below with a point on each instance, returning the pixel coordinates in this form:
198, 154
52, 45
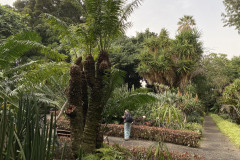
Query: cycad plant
104, 21
12, 70
26, 133
124, 98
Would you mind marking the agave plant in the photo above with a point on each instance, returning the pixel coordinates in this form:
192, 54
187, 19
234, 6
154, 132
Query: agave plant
166, 111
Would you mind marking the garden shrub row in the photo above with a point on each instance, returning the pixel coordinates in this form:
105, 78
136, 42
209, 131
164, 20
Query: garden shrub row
231, 130
151, 154
130, 152
188, 138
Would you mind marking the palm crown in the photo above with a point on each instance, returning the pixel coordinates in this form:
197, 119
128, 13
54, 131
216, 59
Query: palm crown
186, 23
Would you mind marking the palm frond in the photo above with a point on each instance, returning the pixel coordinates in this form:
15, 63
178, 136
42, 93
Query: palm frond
129, 8
122, 98
135, 100
15, 46
44, 71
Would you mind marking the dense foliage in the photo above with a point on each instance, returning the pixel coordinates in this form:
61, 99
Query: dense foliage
231, 17
41, 39
231, 100
168, 61
11, 22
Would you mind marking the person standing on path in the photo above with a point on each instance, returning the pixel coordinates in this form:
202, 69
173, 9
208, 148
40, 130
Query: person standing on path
127, 124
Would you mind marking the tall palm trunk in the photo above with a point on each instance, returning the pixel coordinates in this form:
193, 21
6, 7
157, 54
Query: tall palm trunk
85, 119
92, 130
75, 110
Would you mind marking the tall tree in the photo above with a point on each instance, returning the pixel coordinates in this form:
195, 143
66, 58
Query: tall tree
186, 23
216, 67
168, 61
123, 56
232, 15
11, 23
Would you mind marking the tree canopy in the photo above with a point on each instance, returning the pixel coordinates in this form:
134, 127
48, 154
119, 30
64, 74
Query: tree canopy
232, 15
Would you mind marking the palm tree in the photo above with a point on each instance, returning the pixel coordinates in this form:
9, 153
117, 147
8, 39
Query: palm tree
186, 23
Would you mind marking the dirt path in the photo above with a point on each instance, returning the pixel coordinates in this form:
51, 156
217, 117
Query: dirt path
214, 145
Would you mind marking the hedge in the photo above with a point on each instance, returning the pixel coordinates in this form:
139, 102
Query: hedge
188, 138
150, 154
136, 152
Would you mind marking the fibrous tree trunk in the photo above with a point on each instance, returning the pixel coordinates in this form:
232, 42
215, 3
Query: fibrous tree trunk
75, 109
86, 102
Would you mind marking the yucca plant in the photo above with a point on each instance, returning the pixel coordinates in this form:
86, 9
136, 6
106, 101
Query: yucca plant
25, 133
169, 61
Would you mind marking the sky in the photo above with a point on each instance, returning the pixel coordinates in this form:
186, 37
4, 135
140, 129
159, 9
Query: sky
158, 14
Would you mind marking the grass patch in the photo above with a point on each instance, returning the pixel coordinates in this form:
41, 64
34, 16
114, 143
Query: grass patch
230, 129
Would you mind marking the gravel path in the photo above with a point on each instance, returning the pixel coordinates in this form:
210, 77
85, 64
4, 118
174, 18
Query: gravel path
214, 145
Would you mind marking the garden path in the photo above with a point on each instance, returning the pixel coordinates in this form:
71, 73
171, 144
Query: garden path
214, 145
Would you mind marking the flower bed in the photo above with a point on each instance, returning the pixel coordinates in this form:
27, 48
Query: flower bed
188, 138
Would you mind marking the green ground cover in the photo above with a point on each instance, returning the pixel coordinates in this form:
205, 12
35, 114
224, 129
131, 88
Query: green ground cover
230, 129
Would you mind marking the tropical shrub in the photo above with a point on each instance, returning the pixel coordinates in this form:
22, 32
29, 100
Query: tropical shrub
191, 107
150, 154
169, 117
165, 111
172, 109
188, 138
231, 98
124, 98
193, 127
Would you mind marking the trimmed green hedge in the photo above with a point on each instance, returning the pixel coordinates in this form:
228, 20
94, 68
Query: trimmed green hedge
188, 138
230, 129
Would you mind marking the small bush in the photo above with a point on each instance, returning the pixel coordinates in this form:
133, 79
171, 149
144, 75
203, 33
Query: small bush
195, 119
194, 127
230, 129
188, 138
224, 116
